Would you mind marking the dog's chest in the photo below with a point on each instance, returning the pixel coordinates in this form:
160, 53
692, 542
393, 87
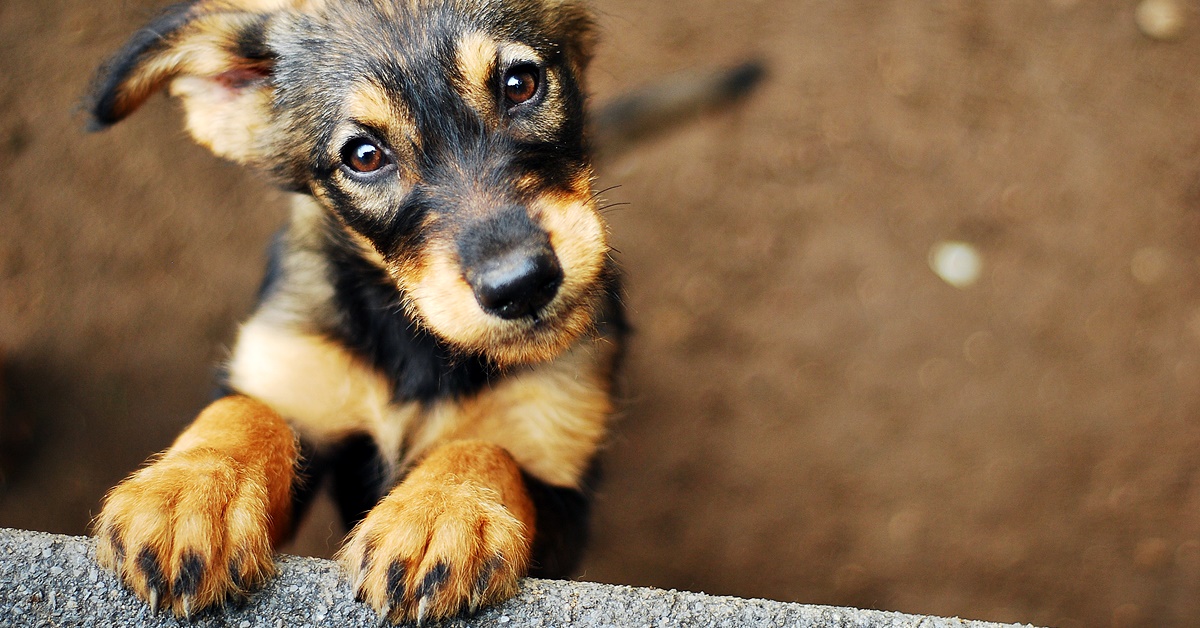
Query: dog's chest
324, 391
550, 417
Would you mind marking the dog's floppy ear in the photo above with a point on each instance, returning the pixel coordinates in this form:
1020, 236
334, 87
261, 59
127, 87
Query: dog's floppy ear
213, 57
575, 28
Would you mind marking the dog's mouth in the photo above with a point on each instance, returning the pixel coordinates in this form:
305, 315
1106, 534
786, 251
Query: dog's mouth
518, 332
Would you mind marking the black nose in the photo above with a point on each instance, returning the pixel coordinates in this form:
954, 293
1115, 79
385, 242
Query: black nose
518, 283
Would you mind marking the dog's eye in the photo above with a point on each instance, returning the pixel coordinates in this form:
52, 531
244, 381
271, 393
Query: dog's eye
521, 83
363, 156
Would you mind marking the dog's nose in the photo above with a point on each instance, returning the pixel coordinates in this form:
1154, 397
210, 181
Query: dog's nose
518, 283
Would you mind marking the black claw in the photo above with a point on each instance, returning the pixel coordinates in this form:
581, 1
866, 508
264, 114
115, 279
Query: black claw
395, 583
235, 601
434, 580
191, 572
365, 564
235, 573
147, 561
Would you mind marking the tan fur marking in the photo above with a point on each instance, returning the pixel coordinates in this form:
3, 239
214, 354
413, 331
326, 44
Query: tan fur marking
367, 249
369, 103
228, 122
511, 51
578, 237
325, 391
477, 55
552, 418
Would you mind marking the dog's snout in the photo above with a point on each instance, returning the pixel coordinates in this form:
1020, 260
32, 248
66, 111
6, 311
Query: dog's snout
518, 283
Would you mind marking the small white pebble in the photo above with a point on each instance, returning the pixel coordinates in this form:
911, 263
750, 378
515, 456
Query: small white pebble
1160, 19
504, 619
957, 263
244, 624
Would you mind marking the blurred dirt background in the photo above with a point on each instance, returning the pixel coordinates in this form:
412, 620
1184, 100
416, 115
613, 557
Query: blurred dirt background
813, 414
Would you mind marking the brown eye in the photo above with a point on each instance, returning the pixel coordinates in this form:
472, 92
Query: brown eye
363, 156
521, 83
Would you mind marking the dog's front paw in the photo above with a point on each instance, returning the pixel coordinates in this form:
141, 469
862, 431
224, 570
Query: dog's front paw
433, 549
189, 531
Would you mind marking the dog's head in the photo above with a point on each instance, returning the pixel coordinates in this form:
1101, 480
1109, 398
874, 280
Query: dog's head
445, 136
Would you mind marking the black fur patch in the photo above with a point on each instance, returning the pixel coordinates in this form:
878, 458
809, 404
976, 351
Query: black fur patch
235, 572
359, 478
147, 561
433, 580
395, 583
358, 475
485, 574
506, 229
562, 525
191, 572
251, 44
117, 543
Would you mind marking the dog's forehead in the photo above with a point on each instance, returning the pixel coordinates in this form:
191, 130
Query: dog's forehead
363, 59
414, 32
409, 48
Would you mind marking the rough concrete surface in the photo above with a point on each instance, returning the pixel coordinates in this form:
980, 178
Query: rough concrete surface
51, 580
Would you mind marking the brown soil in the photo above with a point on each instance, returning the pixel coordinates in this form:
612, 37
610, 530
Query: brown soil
813, 414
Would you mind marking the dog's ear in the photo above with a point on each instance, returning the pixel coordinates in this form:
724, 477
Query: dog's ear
575, 28
213, 57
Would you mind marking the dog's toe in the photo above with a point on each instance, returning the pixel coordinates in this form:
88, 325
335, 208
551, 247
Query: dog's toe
187, 532
431, 551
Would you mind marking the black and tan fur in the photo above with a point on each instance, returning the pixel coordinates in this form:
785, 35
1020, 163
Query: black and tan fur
438, 330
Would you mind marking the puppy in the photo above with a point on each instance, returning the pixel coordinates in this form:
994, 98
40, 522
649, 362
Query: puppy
440, 323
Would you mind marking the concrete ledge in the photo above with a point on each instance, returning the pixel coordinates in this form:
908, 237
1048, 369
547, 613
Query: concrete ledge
49, 580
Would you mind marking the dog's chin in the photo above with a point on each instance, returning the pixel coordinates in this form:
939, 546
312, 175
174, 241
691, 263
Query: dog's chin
509, 343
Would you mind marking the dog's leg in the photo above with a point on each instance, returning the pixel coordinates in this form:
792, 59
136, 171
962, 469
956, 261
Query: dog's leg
453, 536
198, 525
